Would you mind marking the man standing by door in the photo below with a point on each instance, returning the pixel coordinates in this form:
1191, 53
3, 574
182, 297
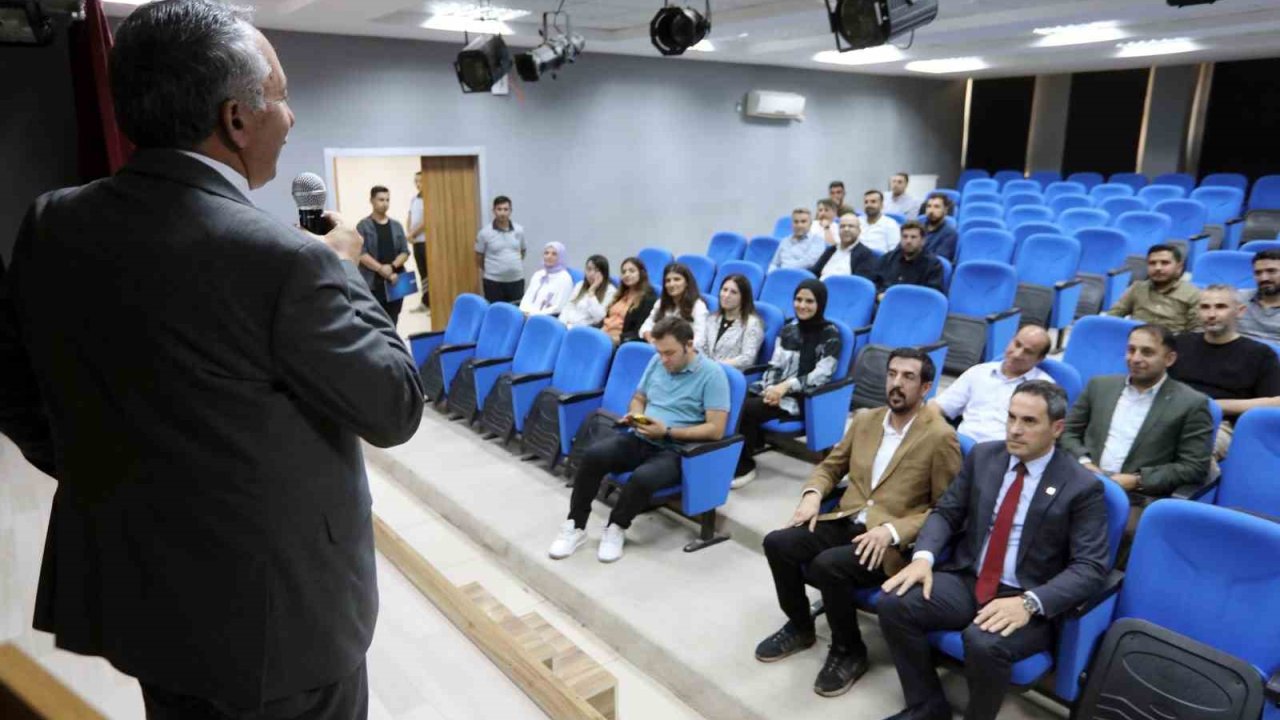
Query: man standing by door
500, 255
417, 225
386, 250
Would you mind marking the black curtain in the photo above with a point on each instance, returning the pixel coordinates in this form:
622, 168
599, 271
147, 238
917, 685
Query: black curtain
1104, 121
999, 123
1240, 129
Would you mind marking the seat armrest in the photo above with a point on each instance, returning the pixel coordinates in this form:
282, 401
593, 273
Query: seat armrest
1066, 284
456, 347
1235, 221
1272, 690
486, 362
757, 368
1255, 513
827, 388
934, 346
530, 377
694, 449
997, 317
570, 398
429, 333
1109, 588
1116, 271
1199, 236
864, 330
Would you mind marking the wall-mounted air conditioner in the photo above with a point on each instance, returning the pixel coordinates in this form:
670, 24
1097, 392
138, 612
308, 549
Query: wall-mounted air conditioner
775, 105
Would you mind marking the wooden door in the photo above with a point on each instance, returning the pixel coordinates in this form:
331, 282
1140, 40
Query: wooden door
452, 203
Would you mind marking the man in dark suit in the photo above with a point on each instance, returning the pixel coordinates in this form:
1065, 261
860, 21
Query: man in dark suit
1147, 431
211, 530
848, 257
1029, 528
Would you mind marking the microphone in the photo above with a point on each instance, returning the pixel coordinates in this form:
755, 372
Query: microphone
309, 194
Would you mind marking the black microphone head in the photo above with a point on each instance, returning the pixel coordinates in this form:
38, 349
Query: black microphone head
309, 192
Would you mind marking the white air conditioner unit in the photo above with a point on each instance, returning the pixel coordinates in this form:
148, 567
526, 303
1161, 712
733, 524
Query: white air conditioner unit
776, 105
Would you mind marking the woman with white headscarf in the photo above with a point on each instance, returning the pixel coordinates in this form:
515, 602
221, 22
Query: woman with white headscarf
550, 286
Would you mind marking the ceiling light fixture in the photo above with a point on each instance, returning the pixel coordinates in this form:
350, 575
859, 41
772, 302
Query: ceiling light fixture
866, 56
557, 49
481, 19
482, 63
868, 23
676, 29
1093, 32
1164, 46
948, 65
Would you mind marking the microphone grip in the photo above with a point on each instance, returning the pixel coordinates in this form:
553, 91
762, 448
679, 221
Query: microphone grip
312, 220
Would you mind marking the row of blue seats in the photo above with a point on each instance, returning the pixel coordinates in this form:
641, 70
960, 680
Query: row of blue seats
1137, 181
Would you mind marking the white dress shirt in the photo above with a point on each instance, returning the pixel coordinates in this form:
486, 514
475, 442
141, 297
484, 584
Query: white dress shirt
882, 236
547, 298
237, 180
1131, 411
982, 394
416, 212
903, 204
838, 263
889, 445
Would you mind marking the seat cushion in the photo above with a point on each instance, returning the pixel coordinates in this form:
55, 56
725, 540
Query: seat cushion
1025, 671
784, 427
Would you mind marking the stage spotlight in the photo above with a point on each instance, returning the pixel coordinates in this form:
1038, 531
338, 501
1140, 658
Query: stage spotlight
482, 63
558, 48
868, 23
24, 22
676, 29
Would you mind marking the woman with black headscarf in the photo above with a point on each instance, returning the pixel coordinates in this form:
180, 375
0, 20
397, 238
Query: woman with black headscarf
804, 357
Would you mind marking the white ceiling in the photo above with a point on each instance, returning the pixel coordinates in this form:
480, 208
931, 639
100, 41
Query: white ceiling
789, 32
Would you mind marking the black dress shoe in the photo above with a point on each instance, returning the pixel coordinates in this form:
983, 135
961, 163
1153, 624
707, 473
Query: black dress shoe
840, 672
787, 641
938, 709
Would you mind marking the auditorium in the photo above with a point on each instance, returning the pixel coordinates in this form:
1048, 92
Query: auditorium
639, 360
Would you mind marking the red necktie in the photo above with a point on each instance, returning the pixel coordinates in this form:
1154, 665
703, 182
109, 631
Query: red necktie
993, 562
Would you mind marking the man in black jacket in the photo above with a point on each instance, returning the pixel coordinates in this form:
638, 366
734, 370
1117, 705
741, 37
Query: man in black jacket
211, 530
848, 257
909, 263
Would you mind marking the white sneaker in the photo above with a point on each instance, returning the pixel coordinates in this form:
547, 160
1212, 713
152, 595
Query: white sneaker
569, 540
611, 543
743, 479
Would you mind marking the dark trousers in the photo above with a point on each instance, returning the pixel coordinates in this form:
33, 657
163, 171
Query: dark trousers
347, 699
825, 559
754, 414
988, 657
420, 259
390, 307
512, 292
652, 468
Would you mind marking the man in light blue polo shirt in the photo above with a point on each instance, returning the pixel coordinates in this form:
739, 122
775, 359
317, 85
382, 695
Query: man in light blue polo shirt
803, 248
682, 397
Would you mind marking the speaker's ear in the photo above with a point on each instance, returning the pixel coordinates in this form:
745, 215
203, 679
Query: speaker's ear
237, 123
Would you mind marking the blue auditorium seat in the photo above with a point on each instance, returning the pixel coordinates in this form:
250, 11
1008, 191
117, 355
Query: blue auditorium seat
1104, 269
1021, 186
1045, 178
1257, 246
948, 193
980, 185
1019, 214
1231, 180
909, 316
1153, 194
1262, 214
1097, 346
1137, 181
655, 261
1048, 289
1073, 220
983, 197
751, 271
782, 228
1187, 219
581, 368
1065, 187
1027, 229
971, 210
967, 175
974, 223
780, 288
985, 244
1225, 206
1249, 480
534, 359
981, 318
1065, 375
1141, 230
1182, 180
1006, 176
1117, 206
851, 299
760, 251
726, 246
1090, 180
1105, 191
1233, 267
703, 269
497, 337
461, 332
773, 321
1063, 203
1020, 199
824, 408
628, 366
576, 274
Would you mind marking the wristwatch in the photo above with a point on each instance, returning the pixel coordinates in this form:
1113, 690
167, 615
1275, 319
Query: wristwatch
1030, 605
667, 435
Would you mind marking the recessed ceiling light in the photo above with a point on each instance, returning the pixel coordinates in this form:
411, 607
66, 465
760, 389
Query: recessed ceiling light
868, 56
703, 45
480, 19
1079, 34
742, 35
1165, 46
948, 65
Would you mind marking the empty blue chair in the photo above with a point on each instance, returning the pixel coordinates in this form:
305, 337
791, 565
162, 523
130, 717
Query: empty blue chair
1073, 220
1141, 231
826, 407
1006, 176
1063, 203
760, 251
1089, 180
1231, 180
1225, 206
1265, 194
1064, 187
580, 372
967, 175
782, 228
1045, 178
1233, 267
780, 288
981, 318
1257, 246
909, 316
1065, 375
703, 269
496, 341
851, 299
461, 332
946, 272
985, 244
1019, 199
983, 197
981, 210
1137, 181
1027, 229
1017, 215
1262, 213
726, 246
628, 366
974, 223
1020, 186
1117, 206
749, 270
1154, 194
496, 380
1187, 219
1104, 269
1249, 471
655, 261
980, 185
1048, 289
1097, 346
1105, 191
1182, 180
773, 321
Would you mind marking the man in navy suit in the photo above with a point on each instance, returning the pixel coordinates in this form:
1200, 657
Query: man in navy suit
1028, 528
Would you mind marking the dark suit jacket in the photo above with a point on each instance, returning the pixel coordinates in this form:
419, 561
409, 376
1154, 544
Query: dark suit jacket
198, 376
635, 318
1063, 553
1172, 447
862, 261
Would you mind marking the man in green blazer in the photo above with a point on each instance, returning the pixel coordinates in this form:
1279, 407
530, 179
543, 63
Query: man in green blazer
1147, 431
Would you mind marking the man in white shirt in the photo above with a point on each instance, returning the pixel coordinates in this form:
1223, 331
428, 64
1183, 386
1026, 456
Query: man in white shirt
849, 257
899, 460
982, 393
825, 225
899, 201
417, 224
880, 233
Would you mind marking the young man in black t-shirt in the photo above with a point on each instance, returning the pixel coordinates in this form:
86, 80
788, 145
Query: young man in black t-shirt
1238, 372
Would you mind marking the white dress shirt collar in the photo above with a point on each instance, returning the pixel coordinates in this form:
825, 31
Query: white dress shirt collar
1152, 391
238, 181
1035, 468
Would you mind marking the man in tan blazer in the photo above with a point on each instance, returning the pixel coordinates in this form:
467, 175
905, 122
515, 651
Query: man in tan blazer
900, 460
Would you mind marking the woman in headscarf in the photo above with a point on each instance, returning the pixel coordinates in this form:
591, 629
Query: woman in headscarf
550, 286
804, 357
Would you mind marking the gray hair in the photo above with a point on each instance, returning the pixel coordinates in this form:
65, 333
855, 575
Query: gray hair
1055, 398
173, 65
1221, 287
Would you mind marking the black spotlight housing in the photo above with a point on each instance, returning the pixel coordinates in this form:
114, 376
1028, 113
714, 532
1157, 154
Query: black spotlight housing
24, 22
676, 29
557, 49
868, 23
482, 63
